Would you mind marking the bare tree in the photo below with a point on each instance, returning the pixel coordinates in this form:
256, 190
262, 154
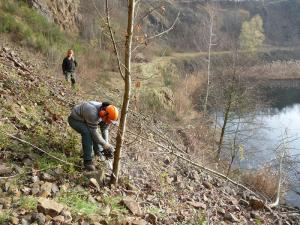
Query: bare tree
211, 21
125, 72
126, 75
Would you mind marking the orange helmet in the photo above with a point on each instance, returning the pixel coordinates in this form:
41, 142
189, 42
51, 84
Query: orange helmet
109, 114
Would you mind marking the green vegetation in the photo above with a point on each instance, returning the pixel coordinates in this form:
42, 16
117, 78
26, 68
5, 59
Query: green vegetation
4, 139
114, 203
31, 29
46, 162
4, 216
252, 34
158, 101
28, 202
201, 219
78, 202
258, 222
158, 212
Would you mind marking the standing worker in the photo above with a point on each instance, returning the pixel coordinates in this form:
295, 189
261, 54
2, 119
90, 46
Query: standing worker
68, 67
85, 118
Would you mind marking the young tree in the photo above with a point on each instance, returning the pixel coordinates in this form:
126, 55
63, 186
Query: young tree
252, 34
126, 75
211, 22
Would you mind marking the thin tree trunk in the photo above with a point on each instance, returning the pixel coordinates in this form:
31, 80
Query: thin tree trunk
209, 62
274, 204
226, 117
126, 97
233, 150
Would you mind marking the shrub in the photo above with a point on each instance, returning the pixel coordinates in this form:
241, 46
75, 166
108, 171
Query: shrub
114, 203
28, 202
32, 29
6, 23
78, 202
263, 180
154, 100
4, 139
4, 217
184, 94
9, 6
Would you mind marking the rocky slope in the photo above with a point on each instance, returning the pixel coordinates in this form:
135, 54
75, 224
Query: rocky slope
280, 18
156, 187
63, 12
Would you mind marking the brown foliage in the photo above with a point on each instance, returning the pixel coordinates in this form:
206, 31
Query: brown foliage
185, 89
263, 180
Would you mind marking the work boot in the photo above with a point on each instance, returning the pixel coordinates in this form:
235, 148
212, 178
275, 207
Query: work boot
89, 166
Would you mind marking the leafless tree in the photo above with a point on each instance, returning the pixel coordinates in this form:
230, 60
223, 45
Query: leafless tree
211, 23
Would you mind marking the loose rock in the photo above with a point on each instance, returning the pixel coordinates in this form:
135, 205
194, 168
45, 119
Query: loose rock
4, 169
49, 207
244, 202
230, 217
132, 205
39, 218
198, 205
256, 203
67, 215
46, 189
207, 185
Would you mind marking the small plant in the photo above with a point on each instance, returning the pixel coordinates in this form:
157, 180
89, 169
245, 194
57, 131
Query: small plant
4, 139
28, 202
258, 222
201, 220
78, 202
46, 162
158, 212
114, 203
4, 216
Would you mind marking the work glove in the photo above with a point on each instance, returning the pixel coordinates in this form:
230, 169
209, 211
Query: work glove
108, 150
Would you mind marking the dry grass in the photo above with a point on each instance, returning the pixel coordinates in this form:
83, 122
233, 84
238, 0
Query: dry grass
185, 88
264, 181
276, 70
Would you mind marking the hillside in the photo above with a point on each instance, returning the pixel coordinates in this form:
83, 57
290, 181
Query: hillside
168, 173
280, 19
161, 190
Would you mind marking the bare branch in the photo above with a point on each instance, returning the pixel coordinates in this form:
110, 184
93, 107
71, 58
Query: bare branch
98, 12
148, 13
166, 31
113, 40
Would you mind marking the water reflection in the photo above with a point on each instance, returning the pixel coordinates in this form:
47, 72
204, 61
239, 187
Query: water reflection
281, 120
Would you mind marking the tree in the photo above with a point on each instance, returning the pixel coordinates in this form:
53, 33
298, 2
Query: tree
125, 72
252, 34
126, 75
211, 21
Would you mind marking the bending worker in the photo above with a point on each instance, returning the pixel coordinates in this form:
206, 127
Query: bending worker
85, 118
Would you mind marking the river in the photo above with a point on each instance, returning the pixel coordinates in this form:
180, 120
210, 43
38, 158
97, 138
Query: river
281, 124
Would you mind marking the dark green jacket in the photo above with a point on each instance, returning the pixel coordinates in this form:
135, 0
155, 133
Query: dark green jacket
69, 65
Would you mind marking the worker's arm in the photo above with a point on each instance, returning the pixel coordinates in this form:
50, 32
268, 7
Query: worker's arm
75, 62
64, 66
98, 138
90, 115
108, 153
104, 130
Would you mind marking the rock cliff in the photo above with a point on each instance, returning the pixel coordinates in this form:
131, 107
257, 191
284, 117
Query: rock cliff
63, 12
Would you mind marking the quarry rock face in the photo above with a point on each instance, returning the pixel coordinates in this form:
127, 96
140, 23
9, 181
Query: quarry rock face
62, 12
